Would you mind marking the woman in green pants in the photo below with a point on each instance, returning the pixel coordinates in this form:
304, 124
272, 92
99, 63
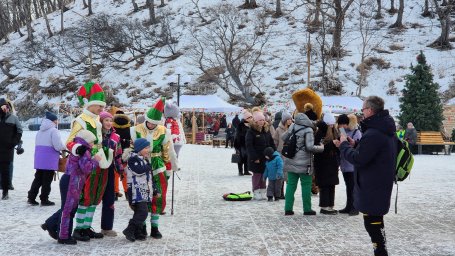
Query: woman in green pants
300, 166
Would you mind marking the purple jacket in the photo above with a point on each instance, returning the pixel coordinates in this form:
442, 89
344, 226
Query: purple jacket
80, 166
48, 143
356, 135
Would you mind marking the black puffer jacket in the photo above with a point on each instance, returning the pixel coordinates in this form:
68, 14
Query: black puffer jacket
11, 134
256, 141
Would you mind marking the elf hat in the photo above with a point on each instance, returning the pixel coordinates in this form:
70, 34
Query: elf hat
91, 94
155, 113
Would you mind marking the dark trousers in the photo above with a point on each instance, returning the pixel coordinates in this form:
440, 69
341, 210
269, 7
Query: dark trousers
349, 182
4, 169
243, 164
229, 142
327, 196
140, 213
43, 179
107, 213
375, 228
53, 222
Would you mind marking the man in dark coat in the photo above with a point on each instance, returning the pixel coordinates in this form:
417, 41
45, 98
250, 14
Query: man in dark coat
11, 133
236, 121
374, 159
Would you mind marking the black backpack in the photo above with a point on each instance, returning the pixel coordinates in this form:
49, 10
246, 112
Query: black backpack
290, 144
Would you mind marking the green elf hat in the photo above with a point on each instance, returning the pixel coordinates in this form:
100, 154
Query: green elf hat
155, 113
91, 94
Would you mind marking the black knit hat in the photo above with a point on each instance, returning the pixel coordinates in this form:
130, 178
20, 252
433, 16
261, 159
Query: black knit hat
343, 119
268, 151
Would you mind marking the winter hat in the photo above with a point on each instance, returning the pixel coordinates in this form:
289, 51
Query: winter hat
343, 119
285, 116
268, 151
51, 116
91, 94
104, 115
155, 113
86, 135
121, 121
329, 119
140, 119
140, 144
171, 110
246, 114
258, 114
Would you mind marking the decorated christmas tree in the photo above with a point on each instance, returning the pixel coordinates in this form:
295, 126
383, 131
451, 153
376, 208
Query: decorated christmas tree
420, 102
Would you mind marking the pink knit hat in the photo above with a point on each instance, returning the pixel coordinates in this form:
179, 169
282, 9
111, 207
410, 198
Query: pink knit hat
258, 115
104, 115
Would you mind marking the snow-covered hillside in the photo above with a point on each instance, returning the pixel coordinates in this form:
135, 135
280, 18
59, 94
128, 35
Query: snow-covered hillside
281, 70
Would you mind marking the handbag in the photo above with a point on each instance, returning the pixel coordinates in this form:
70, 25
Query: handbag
235, 158
62, 161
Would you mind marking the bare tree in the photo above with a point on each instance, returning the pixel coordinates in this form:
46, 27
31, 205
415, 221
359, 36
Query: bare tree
198, 10
426, 11
228, 56
379, 10
340, 12
48, 26
399, 22
392, 9
368, 34
151, 6
89, 5
135, 6
444, 13
278, 11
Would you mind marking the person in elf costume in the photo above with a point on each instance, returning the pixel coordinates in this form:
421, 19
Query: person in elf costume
161, 154
91, 97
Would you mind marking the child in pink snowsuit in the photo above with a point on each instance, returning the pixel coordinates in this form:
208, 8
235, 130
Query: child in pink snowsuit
77, 169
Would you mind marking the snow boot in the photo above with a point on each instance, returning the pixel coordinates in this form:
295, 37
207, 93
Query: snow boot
139, 233
52, 233
70, 240
92, 234
79, 234
155, 233
47, 203
129, 232
32, 202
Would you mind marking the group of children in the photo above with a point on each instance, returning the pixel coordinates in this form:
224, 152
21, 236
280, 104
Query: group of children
96, 154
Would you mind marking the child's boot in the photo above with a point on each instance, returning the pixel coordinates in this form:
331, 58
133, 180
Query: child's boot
129, 231
155, 233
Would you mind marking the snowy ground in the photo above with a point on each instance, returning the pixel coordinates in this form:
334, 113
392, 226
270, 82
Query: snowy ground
204, 224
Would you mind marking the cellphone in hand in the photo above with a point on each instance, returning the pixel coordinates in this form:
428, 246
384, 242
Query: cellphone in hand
342, 131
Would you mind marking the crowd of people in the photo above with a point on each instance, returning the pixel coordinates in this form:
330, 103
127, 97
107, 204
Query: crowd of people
106, 149
365, 153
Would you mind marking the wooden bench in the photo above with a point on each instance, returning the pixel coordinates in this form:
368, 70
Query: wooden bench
430, 138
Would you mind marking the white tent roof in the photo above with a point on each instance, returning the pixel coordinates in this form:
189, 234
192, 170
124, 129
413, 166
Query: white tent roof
341, 104
206, 103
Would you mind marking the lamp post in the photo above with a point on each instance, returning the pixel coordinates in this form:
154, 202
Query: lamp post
185, 83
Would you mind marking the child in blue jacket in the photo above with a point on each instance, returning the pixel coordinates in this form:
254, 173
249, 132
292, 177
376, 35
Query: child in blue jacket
273, 172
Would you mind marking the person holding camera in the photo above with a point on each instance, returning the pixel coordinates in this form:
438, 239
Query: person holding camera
48, 145
11, 131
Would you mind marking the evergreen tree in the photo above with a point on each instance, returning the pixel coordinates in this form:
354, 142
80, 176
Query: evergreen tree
420, 103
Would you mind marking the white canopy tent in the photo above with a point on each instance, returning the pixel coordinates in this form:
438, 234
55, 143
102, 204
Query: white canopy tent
207, 104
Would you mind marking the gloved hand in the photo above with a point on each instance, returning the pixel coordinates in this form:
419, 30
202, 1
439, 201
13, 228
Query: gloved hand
80, 151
